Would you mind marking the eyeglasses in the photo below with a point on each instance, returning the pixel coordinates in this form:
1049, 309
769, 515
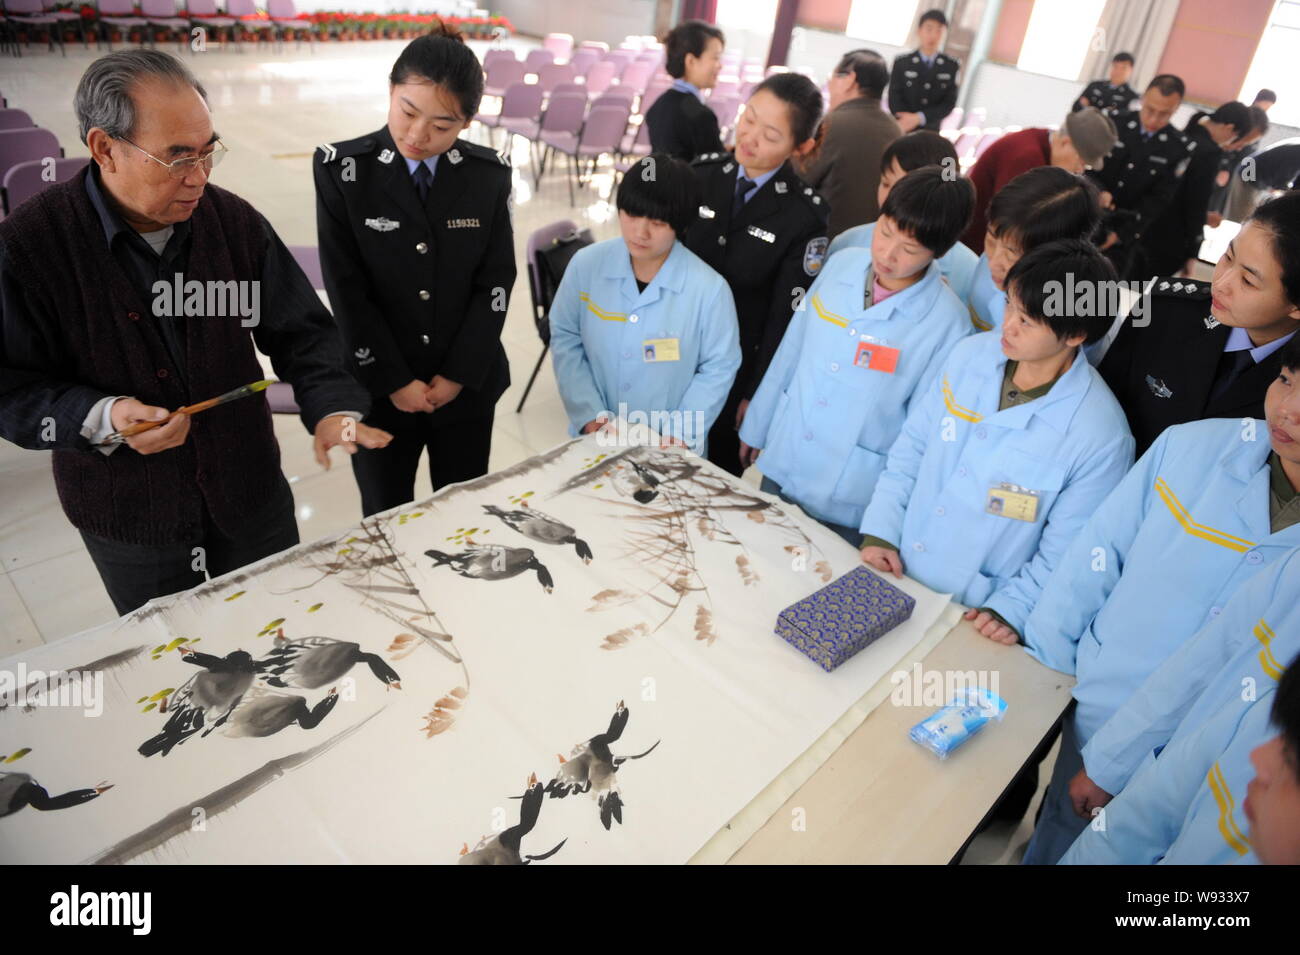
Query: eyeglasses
180, 168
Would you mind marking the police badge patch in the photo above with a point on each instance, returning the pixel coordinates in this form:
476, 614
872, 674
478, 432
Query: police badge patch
814, 255
382, 224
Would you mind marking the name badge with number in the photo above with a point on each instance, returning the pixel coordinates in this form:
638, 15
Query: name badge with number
876, 356
1017, 503
661, 349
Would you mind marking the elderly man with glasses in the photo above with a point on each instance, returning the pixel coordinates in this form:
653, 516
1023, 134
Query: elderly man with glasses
92, 341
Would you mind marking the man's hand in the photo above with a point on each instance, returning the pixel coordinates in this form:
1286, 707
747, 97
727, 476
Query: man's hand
1085, 795
442, 391
671, 441
1111, 239
1221, 179
1106, 199
128, 411
1214, 219
411, 397
740, 412
989, 626
595, 425
340, 430
908, 121
748, 455
883, 559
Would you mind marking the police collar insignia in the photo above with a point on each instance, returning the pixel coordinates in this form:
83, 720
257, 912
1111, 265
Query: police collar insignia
382, 225
386, 156
728, 167
1159, 388
780, 187
454, 156
706, 212
1211, 321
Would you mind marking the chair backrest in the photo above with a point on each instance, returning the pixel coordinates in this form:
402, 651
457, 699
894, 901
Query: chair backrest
281, 9
726, 88
594, 45
234, 8
26, 179
522, 101
605, 127
503, 73
536, 59
953, 119
202, 8
308, 259
165, 9
656, 89
582, 60
491, 56
991, 135
538, 240
569, 88
24, 8
641, 145
23, 145
565, 112
615, 96
560, 44
637, 76
977, 116
126, 8
553, 74
725, 108
600, 76
966, 142
15, 119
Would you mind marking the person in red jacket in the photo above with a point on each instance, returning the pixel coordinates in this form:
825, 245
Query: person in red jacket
1084, 140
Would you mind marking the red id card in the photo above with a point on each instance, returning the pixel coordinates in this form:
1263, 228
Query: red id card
876, 357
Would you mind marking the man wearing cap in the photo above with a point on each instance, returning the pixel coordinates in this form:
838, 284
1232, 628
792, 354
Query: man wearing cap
1082, 142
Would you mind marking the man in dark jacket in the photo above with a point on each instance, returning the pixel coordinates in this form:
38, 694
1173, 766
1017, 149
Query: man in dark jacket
1113, 96
131, 291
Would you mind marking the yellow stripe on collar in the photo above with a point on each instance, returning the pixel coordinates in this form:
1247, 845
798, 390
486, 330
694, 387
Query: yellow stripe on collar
1269, 663
978, 322
1228, 828
953, 408
1184, 518
827, 315
600, 312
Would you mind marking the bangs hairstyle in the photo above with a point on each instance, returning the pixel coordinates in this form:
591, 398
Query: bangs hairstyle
1285, 713
1281, 217
689, 36
802, 98
1040, 280
1291, 354
1043, 205
662, 188
442, 58
932, 207
1234, 114
917, 149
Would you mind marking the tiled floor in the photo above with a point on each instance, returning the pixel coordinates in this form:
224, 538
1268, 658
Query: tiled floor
272, 109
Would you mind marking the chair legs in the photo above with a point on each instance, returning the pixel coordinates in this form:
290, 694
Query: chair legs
533, 377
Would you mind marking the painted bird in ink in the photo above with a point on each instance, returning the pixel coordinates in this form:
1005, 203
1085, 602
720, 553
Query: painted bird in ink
493, 562
542, 528
19, 790
591, 767
645, 486
503, 849
312, 662
210, 695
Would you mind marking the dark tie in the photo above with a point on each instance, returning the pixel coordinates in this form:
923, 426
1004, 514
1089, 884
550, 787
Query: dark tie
1231, 366
743, 186
423, 180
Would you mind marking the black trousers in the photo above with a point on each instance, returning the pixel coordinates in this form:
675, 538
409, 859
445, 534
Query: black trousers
134, 574
724, 439
458, 444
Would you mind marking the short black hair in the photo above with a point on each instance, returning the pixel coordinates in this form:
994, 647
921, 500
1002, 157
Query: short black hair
1045, 204
1281, 217
868, 69
1042, 279
1258, 120
1167, 85
1234, 114
922, 147
660, 187
1291, 354
933, 205
689, 36
936, 15
1123, 58
1285, 713
441, 57
1267, 95
801, 96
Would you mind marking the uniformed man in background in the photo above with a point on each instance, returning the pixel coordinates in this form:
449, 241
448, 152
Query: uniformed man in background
1113, 96
923, 83
418, 257
1142, 173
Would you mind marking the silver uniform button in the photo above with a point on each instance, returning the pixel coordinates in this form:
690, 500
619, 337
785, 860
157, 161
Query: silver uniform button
424, 294
634, 319
425, 339
422, 247
722, 240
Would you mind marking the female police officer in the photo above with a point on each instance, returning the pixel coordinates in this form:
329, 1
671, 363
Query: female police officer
418, 257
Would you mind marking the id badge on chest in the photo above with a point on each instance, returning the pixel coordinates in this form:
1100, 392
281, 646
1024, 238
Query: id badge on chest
1011, 501
876, 355
661, 349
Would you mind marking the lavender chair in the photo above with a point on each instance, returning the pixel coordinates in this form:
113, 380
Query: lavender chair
560, 130
502, 75
204, 15
308, 259
15, 119
32, 15
161, 15
602, 134
536, 59
284, 18
635, 145
656, 89
570, 88
636, 77
596, 45
521, 112
538, 240
244, 8
615, 96
600, 76
953, 119
560, 45
120, 14
729, 87
496, 53
977, 116
25, 145
552, 75
584, 60
991, 135
67, 18
26, 179
726, 109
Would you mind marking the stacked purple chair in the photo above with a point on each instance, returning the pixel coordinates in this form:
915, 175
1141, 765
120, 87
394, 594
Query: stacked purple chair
25, 179
32, 15
161, 15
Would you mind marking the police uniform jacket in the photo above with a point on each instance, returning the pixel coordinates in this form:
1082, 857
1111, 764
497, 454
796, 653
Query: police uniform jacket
1141, 174
1114, 101
917, 88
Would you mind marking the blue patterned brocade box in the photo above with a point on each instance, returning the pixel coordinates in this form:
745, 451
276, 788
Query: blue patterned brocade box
843, 617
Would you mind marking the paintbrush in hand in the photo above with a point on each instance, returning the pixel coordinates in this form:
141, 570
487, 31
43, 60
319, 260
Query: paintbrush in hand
142, 426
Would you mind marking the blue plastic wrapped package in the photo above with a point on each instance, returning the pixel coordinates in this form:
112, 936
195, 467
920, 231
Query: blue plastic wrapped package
970, 709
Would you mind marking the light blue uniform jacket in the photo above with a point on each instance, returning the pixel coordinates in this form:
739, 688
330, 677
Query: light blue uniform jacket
1158, 560
1239, 654
601, 324
1072, 446
986, 300
825, 424
957, 265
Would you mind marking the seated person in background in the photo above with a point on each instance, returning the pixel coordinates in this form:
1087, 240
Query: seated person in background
1083, 141
680, 123
921, 148
1157, 560
1038, 206
1113, 96
640, 323
870, 334
1211, 350
1008, 453
852, 137
1225, 791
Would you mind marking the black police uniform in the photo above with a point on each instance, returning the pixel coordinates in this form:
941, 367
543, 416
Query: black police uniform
1141, 174
769, 252
1114, 101
418, 289
1173, 369
682, 126
1178, 231
917, 88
